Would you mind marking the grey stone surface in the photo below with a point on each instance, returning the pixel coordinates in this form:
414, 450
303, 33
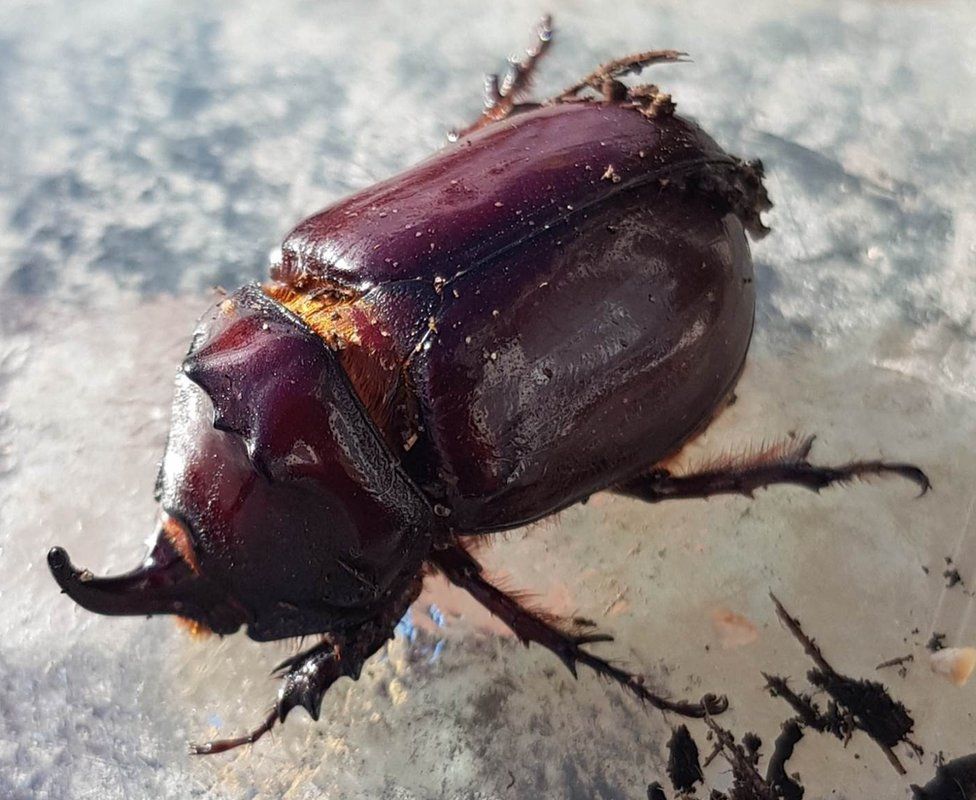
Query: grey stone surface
149, 151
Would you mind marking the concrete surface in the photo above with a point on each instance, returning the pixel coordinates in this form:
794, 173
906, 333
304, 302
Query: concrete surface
149, 151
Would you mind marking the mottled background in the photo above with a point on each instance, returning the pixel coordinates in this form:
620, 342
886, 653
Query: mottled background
150, 151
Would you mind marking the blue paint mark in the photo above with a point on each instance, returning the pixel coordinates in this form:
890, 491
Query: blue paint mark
406, 628
436, 654
415, 636
437, 615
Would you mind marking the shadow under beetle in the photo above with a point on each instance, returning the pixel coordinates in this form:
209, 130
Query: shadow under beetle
549, 307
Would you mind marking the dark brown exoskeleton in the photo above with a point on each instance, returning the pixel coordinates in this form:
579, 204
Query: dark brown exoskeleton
548, 308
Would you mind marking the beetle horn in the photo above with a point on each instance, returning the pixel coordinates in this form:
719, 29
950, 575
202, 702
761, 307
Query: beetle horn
158, 586
167, 582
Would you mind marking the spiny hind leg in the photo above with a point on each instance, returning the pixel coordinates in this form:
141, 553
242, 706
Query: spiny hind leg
502, 95
782, 463
529, 625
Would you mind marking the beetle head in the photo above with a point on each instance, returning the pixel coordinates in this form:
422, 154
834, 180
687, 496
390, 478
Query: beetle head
282, 507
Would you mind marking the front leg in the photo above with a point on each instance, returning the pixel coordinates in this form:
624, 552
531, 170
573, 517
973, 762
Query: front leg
785, 463
309, 675
532, 626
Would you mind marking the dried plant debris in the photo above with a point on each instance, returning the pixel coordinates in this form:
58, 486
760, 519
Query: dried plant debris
784, 785
901, 662
807, 711
748, 783
684, 768
955, 780
856, 704
656, 792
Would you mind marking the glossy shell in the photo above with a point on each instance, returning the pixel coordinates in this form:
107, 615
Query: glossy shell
296, 507
568, 295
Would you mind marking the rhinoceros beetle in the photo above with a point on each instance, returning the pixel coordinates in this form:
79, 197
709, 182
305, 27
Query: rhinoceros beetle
549, 307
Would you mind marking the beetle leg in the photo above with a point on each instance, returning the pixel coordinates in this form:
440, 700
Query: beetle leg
533, 626
307, 676
518, 77
501, 98
223, 745
606, 74
784, 463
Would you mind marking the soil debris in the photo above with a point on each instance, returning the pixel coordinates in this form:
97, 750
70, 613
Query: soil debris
951, 574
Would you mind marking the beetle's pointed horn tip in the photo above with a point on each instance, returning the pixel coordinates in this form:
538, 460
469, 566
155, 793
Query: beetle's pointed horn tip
62, 569
166, 582
154, 587
80, 584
